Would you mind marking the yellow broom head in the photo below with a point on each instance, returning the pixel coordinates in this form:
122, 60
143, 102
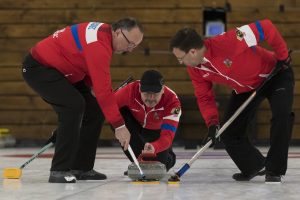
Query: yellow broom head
145, 182
12, 173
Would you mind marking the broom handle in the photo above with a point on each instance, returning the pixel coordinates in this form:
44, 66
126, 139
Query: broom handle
37, 154
124, 83
135, 160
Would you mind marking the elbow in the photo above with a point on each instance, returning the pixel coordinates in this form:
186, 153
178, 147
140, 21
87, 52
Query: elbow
267, 23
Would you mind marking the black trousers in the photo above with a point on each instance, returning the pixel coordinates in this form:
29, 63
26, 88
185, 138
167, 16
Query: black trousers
80, 119
140, 136
279, 93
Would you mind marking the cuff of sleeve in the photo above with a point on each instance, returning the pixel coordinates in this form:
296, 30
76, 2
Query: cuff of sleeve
120, 127
283, 56
157, 146
214, 122
118, 124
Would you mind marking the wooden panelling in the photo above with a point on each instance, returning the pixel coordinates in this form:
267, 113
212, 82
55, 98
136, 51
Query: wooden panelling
17, 44
96, 4
30, 117
143, 4
192, 132
189, 15
30, 131
107, 16
22, 103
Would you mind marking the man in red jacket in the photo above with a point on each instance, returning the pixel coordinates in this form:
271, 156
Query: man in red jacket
235, 59
63, 69
151, 112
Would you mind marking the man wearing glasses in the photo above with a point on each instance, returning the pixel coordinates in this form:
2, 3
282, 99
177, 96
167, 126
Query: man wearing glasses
151, 112
235, 59
63, 69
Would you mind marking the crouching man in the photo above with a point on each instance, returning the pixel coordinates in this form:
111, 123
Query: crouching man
151, 112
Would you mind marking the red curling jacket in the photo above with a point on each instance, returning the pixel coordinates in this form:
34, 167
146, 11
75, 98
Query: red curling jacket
235, 59
164, 116
83, 52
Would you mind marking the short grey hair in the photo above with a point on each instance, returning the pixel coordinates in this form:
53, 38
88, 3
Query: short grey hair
127, 24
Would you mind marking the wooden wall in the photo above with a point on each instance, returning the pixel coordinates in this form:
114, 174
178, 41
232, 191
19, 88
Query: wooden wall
24, 22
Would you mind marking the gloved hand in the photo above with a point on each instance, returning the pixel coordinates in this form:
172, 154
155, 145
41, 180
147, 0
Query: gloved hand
52, 138
283, 64
212, 132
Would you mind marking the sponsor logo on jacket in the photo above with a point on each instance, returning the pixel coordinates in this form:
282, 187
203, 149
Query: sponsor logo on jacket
227, 62
56, 33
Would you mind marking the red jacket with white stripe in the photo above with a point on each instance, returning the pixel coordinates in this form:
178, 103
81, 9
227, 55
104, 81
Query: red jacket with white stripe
83, 52
165, 115
235, 59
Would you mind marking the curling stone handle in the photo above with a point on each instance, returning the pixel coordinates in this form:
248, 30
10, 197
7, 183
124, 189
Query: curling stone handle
146, 155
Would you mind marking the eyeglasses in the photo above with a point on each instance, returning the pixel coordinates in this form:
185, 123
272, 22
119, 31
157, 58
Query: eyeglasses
130, 44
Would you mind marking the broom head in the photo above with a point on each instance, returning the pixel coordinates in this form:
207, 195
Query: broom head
12, 173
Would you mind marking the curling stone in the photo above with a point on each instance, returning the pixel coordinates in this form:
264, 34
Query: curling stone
153, 169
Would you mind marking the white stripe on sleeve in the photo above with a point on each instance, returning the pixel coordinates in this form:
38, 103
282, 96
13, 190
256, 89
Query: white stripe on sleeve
91, 32
174, 117
249, 36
